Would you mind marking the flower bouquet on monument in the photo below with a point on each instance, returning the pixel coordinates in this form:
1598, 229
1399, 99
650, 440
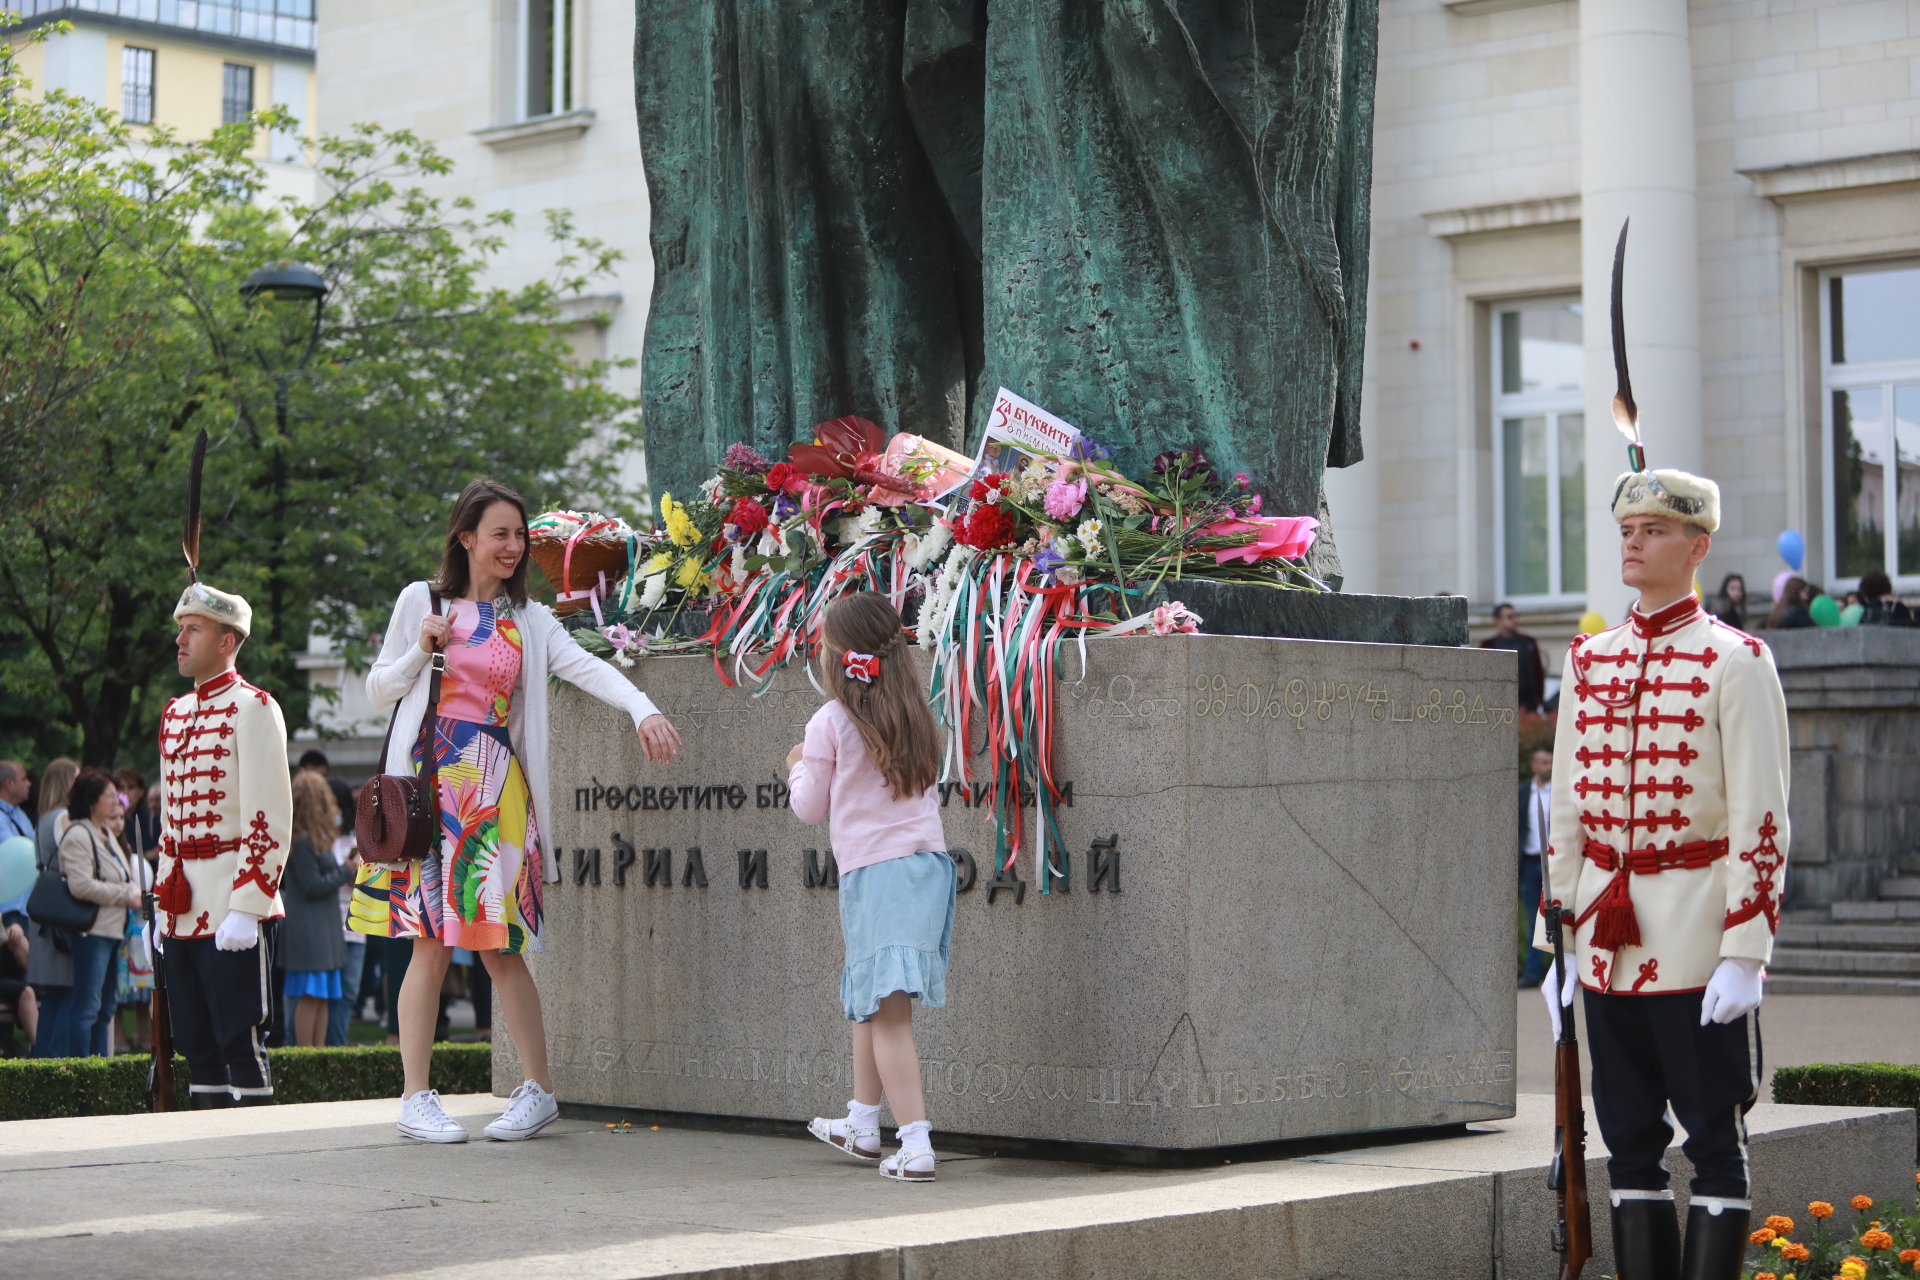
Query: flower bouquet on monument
995, 560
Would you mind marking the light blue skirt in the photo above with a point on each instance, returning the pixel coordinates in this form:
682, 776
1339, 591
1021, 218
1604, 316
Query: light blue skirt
323, 984
897, 919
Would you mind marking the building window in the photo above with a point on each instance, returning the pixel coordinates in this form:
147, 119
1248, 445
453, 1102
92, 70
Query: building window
1539, 445
547, 67
1870, 373
236, 93
136, 85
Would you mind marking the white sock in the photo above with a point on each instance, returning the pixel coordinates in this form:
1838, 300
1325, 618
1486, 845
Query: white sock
862, 1116
917, 1134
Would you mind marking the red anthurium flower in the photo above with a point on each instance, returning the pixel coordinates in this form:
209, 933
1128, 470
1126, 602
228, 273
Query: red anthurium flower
842, 441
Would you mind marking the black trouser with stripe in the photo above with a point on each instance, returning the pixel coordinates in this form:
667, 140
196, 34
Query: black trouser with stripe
1649, 1051
219, 1004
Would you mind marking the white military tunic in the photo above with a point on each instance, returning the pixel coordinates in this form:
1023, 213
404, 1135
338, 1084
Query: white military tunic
1669, 827
226, 806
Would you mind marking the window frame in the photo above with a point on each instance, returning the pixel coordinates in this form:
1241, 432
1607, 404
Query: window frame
562, 68
130, 89
1552, 405
226, 97
1883, 376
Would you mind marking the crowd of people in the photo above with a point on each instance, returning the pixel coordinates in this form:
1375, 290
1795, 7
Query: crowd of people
64, 994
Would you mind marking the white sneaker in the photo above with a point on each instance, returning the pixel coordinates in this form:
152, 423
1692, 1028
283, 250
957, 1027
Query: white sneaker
529, 1110
422, 1119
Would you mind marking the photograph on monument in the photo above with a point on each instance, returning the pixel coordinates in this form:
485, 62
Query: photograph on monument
1019, 435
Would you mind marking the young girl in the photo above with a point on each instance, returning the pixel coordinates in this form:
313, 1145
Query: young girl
871, 756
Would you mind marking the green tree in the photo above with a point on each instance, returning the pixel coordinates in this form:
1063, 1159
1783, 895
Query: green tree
124, 331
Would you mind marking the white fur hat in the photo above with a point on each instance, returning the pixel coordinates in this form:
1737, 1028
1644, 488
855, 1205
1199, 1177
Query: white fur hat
1676, 495
221, 606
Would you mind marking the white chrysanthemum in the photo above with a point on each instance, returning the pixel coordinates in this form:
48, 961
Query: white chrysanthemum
710, 489
1088, 536
652, 590
869, 520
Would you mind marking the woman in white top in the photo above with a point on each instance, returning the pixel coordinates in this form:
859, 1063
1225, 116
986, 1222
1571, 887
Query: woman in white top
480, 887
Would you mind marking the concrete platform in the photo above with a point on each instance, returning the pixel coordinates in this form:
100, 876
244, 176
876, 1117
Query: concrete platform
329, 1191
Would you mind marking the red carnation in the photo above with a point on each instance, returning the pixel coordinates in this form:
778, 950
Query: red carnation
781, 477
748, 516
985, 528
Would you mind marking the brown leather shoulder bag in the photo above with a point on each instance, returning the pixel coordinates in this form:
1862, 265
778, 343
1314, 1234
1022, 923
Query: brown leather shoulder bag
398, 814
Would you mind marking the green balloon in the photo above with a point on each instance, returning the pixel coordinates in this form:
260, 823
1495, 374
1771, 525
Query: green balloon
1851, 615
1826, 613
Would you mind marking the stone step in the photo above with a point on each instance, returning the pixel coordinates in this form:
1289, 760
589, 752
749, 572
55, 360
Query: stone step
1907, 865
1900, 887
1866, 964
1851, 912
1848, 937
1807, 985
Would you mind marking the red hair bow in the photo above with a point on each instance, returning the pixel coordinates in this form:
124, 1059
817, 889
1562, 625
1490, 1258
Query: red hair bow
862, 666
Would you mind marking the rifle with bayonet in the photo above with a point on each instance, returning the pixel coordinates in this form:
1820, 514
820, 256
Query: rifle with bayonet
1573, 1234
160, 1074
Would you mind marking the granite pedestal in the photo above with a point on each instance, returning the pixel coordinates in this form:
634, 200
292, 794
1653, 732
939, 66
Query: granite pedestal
1286, 909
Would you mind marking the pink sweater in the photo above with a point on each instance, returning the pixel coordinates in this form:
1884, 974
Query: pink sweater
836, 773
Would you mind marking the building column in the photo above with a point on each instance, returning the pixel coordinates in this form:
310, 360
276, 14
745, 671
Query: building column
1637, 160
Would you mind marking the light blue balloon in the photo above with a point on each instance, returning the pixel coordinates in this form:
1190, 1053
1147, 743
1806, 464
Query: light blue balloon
1793, 548
17, 867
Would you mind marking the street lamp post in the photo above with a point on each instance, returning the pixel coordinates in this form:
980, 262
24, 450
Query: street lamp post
286, 283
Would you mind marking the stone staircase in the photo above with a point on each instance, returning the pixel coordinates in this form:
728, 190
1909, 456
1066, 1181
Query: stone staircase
1854, 948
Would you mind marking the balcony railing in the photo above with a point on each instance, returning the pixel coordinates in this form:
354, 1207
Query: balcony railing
283, 22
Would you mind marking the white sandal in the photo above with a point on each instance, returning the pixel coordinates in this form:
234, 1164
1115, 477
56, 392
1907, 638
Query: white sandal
858, 1141
914, 1161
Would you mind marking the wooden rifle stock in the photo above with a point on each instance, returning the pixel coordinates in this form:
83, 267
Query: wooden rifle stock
160, 1075
1573, 1235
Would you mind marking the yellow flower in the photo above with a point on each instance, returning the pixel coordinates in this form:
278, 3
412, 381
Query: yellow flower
1853, 1271
690, 576
679, 523
1780, 1242
661, 560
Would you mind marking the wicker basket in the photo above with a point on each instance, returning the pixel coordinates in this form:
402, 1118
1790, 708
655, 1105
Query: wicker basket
591, 557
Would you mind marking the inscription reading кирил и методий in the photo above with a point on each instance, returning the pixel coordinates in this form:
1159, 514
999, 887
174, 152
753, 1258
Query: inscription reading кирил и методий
947, 1072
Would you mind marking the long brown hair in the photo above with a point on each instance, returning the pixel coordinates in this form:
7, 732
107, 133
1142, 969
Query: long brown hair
456, 574
55, 781
316, 815
891, 713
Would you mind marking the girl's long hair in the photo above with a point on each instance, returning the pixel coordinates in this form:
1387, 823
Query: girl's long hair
316, 814
891, 713
455, 574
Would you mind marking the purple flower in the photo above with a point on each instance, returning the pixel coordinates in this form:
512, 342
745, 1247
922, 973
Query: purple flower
1049, 561
783, 509
1065, 498
1085, 450
1196, 463
742, 457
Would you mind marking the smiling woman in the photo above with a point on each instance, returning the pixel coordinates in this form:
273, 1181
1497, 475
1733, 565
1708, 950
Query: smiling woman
479, 886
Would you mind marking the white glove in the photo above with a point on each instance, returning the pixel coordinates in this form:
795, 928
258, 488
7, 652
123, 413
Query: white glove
1733, 991
1560, 994
240, 930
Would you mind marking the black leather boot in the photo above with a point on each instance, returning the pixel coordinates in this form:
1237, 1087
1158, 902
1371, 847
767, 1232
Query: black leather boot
1716, 1239
211, 1101
254, 1100
1646, 1239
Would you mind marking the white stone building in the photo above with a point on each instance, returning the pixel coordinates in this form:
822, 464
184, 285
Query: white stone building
1768, 152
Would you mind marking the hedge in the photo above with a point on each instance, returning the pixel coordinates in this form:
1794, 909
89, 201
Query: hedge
1849, 1084
37, 1088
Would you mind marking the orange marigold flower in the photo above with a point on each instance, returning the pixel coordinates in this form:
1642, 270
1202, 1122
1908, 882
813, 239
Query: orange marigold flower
1876, 1240
1764, 1275
1820, 1209
1910, 1255
1763, 1235
1780, 1224
1795, 1252
1863, 1203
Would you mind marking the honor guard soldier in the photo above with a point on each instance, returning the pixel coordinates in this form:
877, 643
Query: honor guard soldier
227, 818
1669, 841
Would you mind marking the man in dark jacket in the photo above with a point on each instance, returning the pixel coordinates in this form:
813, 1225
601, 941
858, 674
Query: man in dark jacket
1507, 635
1536, 809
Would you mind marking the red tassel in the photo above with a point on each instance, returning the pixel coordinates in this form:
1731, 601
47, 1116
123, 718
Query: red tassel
175, 895
1617, 926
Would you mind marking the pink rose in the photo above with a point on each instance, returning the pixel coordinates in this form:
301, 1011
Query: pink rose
1282, 537
1065, 498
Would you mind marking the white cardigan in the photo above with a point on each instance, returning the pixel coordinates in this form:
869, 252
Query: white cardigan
400, 675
